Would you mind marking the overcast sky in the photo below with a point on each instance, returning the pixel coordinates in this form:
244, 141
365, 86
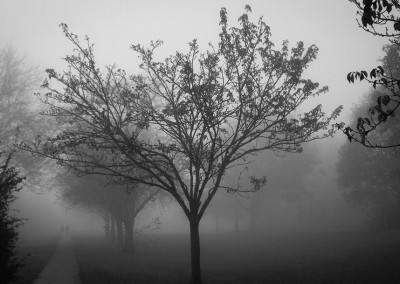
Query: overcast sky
32, 26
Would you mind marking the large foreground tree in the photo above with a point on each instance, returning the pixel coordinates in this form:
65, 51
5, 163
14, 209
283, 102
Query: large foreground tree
184, 121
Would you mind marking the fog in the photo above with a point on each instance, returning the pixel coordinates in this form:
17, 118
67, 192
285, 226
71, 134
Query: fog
309, 226
316, 205
299, 223
326, 214
45, 214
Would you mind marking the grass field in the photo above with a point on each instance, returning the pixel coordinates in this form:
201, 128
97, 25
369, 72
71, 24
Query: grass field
39, 252
239, 258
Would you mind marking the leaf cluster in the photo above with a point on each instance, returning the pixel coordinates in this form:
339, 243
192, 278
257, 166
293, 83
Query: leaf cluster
386, 103
377, 14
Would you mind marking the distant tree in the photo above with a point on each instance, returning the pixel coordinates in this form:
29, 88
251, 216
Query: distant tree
380, 18
224, 206
286, 179
208, 112
370, 177
10, 181
17, 80
119, 201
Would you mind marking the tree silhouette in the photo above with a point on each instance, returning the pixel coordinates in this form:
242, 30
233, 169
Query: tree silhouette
10, 181
182, 123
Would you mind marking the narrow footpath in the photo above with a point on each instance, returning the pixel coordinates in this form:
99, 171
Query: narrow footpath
62, 267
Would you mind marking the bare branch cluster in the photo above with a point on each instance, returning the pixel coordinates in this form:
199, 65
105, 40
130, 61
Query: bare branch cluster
181, 123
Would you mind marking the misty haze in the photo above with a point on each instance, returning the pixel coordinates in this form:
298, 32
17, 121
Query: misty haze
199, 142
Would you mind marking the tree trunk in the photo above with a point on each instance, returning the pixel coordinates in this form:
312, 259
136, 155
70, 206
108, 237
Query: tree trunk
216, 225
107, 226
236, 220
195, 250
118, 223
129, 224
112, 229
252, 221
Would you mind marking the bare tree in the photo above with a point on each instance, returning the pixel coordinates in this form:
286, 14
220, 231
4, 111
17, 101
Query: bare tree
186, 120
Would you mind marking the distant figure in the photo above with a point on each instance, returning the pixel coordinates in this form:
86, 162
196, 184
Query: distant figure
62, 229
66, 228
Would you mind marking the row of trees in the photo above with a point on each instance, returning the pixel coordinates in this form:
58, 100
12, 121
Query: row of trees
182, 123
117, 202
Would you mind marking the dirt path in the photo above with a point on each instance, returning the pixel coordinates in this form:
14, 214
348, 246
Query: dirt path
62, 267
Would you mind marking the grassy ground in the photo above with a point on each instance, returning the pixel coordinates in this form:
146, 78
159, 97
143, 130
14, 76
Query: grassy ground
39, 252
239, 258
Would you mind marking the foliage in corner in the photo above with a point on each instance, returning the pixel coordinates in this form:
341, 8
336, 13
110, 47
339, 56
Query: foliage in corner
380, 18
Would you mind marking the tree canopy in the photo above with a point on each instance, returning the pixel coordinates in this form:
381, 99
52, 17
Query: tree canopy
181, 123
